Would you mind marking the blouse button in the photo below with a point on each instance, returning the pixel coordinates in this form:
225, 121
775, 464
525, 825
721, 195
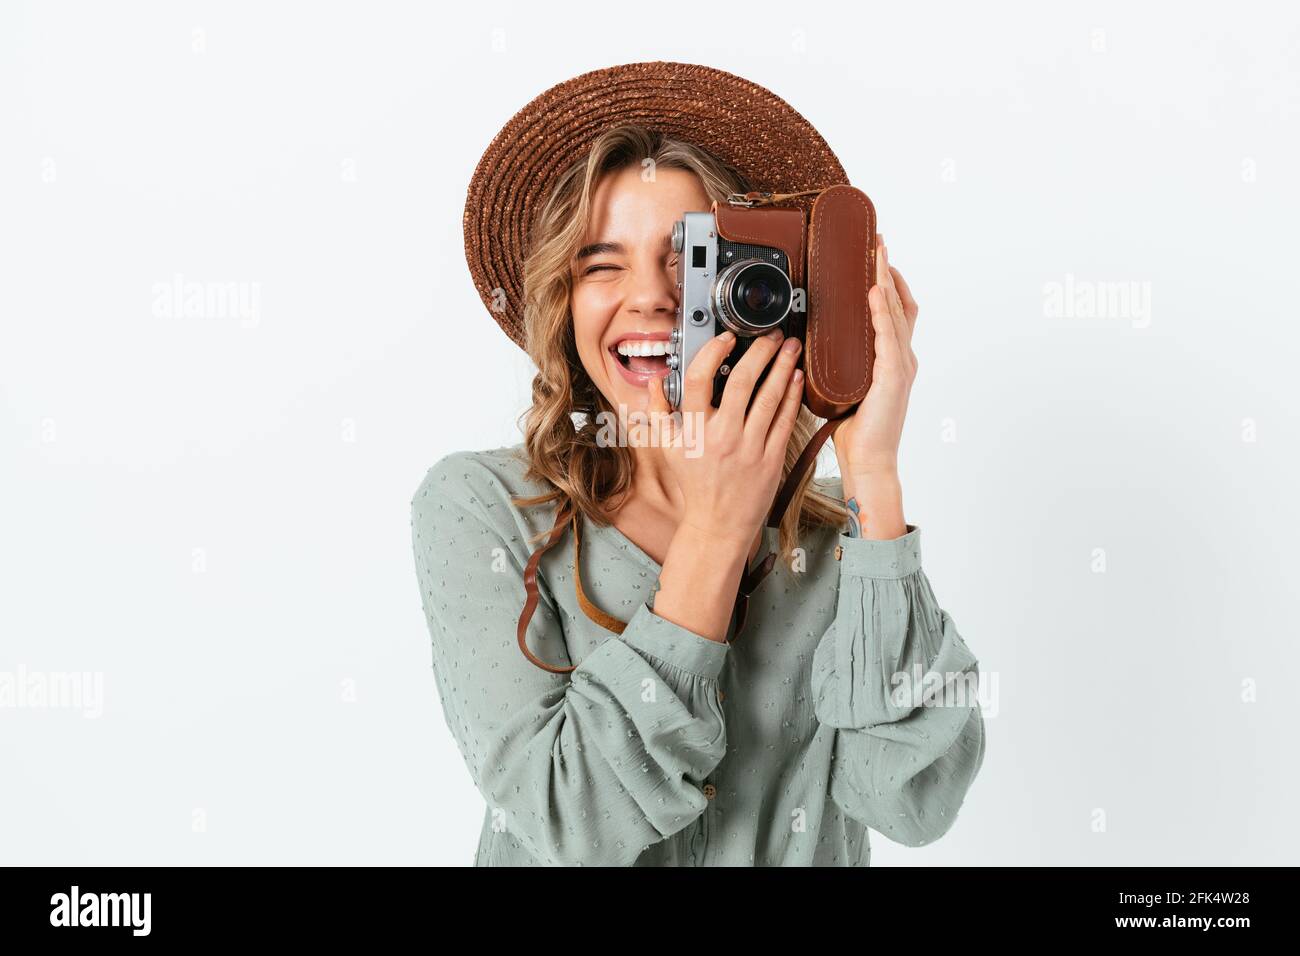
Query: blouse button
710, 791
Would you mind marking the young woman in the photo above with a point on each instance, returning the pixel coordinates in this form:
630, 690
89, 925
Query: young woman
628, 720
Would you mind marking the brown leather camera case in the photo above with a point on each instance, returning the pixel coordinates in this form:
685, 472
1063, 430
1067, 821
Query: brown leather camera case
836, 264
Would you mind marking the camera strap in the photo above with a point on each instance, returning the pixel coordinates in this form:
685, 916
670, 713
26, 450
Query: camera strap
749, 581
756, 198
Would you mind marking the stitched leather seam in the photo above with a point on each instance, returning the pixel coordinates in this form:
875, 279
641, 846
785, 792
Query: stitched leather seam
816, 269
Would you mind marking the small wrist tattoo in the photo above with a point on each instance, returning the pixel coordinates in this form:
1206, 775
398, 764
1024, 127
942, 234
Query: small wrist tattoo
855, 526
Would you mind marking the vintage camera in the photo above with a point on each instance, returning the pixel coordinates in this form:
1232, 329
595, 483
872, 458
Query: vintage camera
724, 285
751, 265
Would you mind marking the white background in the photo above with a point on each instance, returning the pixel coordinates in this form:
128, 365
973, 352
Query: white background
213, 513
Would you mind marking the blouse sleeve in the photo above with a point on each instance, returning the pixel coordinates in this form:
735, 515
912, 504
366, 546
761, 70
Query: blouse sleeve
900, 686
585, 768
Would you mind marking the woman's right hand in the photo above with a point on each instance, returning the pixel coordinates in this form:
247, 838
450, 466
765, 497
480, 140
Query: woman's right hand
728, 461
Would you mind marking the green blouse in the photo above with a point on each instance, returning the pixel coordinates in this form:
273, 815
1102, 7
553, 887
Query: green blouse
848, 702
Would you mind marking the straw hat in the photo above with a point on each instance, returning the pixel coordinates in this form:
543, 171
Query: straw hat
740, 122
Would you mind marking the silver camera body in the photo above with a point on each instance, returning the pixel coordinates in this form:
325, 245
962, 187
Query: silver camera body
723, 285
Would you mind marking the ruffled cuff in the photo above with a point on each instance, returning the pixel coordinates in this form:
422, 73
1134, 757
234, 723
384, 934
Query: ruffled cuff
659, 638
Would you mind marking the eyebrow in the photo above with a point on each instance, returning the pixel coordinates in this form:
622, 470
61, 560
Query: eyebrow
600, 249
610, 248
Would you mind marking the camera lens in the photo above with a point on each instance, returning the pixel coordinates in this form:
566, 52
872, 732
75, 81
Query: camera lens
757, 295
752, 296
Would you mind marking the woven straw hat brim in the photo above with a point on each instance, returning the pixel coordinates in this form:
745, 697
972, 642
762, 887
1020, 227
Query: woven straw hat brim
740, 122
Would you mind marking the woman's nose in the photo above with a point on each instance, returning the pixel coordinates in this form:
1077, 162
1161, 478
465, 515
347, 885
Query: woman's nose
653, 293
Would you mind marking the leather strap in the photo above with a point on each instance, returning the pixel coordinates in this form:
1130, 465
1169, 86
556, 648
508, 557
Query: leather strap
607, 621
807, 458
748, 582
756, 198
567, 515
530, 588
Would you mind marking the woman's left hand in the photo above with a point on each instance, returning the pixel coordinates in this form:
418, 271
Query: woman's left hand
867, 443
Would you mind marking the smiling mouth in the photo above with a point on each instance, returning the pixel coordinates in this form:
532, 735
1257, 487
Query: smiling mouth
642, 357
645, 364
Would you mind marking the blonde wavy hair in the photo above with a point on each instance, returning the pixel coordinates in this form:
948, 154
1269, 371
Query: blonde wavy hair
561, 427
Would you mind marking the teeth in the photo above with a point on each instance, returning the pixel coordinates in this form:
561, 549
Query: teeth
642, 347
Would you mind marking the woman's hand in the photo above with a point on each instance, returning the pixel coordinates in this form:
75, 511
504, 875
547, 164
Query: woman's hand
867, 443
728, 461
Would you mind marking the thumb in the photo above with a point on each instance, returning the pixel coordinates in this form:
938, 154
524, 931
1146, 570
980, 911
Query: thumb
658, 400
660, 412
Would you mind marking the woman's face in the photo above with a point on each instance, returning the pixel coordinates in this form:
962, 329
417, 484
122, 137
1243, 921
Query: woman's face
624, 294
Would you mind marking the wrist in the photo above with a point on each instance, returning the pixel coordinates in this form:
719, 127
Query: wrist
879, 468
698, 582
879, 501
706, 536
862, 483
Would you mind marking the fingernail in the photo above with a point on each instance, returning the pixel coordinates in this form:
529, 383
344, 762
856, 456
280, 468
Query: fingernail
727, 336
791, 345
798, 374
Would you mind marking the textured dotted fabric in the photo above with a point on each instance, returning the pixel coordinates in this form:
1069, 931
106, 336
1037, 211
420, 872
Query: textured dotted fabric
848, 703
